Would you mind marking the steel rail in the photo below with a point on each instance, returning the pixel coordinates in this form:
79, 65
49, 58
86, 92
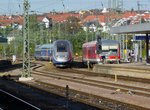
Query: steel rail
138, 107
45, 88
36, 108
102, 74
89, 96
101, 84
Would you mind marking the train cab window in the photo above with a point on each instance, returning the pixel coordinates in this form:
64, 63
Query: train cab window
105, 51
113, 51
61, 47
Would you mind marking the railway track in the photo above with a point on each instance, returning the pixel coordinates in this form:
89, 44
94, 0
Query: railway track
103, 74
10, 102
100, 84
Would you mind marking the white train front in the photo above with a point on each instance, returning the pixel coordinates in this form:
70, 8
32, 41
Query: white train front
62, 53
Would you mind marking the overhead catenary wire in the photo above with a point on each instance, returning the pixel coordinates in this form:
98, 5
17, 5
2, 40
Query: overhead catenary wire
50, 5
63, 4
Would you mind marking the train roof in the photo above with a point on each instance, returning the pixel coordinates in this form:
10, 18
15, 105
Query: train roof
45, 46
109, 41
106, 41
62, 41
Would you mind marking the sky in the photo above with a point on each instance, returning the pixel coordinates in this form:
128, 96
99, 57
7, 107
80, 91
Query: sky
9, 7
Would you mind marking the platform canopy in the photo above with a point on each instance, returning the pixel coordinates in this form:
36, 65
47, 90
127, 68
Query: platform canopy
3, 40
143, 28
131, 29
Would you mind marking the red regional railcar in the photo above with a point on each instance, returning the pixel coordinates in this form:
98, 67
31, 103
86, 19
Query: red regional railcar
110, 52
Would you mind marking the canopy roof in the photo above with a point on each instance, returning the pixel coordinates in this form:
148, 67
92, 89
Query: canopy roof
131, 29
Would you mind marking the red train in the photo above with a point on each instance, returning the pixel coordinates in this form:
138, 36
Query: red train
104, 52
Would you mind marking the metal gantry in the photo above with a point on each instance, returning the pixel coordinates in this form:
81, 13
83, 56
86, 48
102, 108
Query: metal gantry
26, 53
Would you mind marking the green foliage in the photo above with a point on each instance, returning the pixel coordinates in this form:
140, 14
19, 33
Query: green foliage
130, 43
77, 42
79, 39
70, 30
71, 26
143, 21
8, 30
143, 53
33, 24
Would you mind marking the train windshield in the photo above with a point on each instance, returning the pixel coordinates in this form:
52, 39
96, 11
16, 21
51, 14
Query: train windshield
61, 47
110, 49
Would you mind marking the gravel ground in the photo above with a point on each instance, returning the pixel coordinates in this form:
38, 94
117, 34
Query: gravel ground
41, 99
17, 89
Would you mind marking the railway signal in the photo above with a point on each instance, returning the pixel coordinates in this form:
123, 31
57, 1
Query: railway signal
98, 44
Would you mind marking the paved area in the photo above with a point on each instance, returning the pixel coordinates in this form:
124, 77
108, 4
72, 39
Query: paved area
138, 70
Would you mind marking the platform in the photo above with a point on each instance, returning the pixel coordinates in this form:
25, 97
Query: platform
137, 70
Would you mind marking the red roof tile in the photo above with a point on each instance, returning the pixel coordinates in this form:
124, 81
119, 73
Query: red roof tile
101, 18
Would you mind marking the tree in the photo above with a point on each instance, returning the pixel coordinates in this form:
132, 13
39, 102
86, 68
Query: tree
33, 24
142, 20
72, 26
33, 27
77, 41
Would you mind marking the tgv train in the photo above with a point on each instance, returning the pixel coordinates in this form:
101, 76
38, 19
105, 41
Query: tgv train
43, 52
110, 52
62, 53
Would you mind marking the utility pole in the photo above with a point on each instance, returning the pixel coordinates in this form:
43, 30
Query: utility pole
53, 23
139, 18
119, 8
47, 35
41, 34
96, 23
87, 31
92, 34
109, 4
114, 4
59, 30
26, 55
120, 45
126, 59
4, 45
123, 46
108, 13
14, 41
